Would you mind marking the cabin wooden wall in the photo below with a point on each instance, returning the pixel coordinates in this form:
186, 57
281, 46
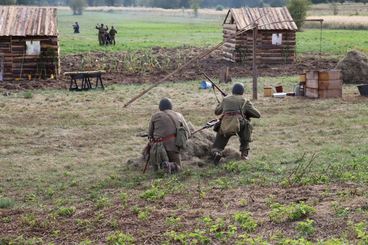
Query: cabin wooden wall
239, 48
18, 65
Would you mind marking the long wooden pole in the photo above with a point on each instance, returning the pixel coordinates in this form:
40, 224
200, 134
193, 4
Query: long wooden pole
255, 75
200, 56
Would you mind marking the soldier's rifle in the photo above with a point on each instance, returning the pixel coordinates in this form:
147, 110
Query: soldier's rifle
209, 124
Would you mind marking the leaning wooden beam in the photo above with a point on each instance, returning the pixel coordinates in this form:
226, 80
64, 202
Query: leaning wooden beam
200, 56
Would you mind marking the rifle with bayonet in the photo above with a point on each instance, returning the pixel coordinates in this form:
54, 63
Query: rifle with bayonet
214, 86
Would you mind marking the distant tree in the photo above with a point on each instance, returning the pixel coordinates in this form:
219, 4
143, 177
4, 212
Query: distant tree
77, 6
334, 8
7, 2
277, 3
129, 2
195, 5
298, 10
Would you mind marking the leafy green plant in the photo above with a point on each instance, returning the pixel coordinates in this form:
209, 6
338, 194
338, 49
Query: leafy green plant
120, 238
28, 95
102, 202
361, 232
195, 237
123, 198
153, 193
172, 221
6, 203
281, 213
245, 221
144, 214
339, 210
306, 228
66, 211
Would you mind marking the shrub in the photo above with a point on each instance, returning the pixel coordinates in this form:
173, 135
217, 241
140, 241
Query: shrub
77, 6
219, 7
119, 238
246, 221
298, 10
6, 203
306, 228
281, 213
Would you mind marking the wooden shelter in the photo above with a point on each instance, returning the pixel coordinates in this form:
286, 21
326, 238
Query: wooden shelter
28, 43
275, 42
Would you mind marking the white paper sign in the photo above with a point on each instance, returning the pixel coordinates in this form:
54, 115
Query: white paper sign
33, 47
276, 38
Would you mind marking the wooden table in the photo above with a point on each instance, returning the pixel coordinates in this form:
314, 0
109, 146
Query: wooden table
85, 76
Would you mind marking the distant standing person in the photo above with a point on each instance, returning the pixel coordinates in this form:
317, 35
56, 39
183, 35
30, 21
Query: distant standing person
112, 33
76, 27
101, 33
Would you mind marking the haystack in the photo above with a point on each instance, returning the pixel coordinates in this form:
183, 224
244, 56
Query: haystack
354, 67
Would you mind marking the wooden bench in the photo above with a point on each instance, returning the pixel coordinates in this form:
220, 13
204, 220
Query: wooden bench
85, 76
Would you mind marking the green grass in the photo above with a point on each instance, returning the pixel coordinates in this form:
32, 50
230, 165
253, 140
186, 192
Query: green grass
143, 31
62, 149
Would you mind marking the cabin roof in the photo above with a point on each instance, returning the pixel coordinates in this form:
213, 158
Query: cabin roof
27, 21
267, 18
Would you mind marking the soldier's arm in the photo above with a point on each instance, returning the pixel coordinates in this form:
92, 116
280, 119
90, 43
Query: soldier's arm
250, 111
185, 124
219, 109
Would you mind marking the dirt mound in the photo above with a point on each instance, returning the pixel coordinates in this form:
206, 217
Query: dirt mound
354, 67
199, 146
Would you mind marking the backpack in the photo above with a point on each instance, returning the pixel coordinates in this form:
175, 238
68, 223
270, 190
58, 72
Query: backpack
181, 134
230, 124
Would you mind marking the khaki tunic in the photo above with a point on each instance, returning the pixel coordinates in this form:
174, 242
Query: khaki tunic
162, 126
237, 103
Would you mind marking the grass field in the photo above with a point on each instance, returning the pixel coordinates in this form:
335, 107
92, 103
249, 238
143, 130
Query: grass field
64, 177
137, 31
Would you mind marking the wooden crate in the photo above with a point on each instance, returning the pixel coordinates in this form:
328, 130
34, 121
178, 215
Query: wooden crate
323, 84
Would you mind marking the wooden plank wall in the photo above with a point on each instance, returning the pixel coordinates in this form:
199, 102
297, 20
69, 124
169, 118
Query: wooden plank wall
20, 65
240, 48
5, 51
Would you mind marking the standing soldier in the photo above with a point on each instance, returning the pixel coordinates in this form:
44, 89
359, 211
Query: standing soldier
76, 27
166, 130
112, 33
236, 112
101, 33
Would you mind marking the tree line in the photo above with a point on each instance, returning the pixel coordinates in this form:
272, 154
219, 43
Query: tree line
166, 3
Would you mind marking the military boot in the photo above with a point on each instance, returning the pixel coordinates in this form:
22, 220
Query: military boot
216, 157
244, 155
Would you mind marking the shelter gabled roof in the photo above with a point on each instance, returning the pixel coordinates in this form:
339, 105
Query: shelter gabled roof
267, 18
27, 21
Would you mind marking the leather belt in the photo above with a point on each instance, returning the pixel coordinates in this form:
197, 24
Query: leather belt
159, 140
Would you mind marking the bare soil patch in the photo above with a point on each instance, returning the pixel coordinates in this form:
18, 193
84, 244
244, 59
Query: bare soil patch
152, 65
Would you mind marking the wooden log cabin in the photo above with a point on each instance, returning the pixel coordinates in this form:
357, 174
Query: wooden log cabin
28, 43
275, 41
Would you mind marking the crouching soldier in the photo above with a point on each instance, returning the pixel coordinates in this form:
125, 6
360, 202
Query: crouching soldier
236, 112
168, 133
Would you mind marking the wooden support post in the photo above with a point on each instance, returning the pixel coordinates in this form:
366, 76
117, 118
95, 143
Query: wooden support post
255, 75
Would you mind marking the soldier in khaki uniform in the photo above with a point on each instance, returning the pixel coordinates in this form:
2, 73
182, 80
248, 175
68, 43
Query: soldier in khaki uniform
162, 134
236, 112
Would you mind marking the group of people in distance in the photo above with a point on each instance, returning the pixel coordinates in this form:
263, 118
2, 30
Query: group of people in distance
166, 141
105, 36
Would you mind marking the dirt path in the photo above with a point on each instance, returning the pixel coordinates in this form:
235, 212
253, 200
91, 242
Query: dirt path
150, 66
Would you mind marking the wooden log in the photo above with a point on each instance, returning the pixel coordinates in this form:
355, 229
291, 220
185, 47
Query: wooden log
312, 75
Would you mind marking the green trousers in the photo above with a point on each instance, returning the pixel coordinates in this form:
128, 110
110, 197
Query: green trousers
244, 138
